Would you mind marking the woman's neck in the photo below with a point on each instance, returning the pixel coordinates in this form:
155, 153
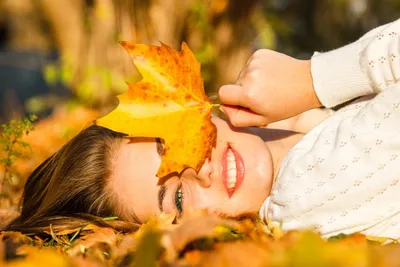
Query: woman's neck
279, 142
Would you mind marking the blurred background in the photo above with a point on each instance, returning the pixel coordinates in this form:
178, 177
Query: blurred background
52, 52
61, 60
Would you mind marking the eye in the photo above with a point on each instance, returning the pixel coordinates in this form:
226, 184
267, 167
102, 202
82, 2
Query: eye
178, 198
160, 146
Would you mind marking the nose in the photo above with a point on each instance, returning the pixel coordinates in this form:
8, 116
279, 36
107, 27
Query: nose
203, 177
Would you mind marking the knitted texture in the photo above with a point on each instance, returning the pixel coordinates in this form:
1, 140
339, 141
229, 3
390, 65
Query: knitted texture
343, 176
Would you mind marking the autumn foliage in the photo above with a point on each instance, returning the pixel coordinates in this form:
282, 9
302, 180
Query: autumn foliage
200, 240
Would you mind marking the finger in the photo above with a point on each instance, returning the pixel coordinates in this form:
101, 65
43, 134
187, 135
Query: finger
243, 71
232, 94
243, 117
240, 78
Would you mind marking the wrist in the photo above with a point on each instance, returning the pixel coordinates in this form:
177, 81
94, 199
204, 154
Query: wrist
309, 96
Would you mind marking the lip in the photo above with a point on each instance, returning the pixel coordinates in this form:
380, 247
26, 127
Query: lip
239, 170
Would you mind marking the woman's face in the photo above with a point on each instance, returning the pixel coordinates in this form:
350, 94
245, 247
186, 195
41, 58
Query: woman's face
236, 179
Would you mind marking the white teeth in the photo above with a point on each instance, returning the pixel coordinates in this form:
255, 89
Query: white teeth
231, 182
231, 173
231, 165
230, 169
231, 179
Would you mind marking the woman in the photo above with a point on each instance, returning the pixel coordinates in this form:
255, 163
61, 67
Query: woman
103, 173
340, 177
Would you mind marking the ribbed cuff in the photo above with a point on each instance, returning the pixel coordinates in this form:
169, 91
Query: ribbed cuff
337, 76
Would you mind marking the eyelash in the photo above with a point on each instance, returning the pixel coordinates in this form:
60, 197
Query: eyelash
160, 146
178, 198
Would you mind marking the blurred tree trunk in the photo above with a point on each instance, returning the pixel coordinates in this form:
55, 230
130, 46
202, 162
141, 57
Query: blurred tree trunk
95, 66
87, 40
233, 40
24, 26
65, 18
90, 48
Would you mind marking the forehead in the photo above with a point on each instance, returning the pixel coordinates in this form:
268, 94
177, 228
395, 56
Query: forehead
133, 178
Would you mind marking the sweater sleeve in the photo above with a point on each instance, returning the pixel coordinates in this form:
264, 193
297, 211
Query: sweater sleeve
343, 176
366, 66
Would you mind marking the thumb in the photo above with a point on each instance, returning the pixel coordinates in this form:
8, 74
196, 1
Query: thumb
243, 117
231, 94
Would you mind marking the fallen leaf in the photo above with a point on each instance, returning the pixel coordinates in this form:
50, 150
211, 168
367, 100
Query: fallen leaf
83, 261
195, 228
169, 103
16, 237
82, 229
381, 240
149, 249
40, 257
238, 253
101, 235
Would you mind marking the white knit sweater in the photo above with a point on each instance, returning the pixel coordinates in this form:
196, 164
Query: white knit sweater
343, 176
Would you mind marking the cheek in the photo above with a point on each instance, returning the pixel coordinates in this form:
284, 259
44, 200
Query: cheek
199, 198
264, 172
259, 177
216, 200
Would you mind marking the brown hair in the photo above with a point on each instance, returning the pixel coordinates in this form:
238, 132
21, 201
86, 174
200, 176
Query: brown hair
69, 189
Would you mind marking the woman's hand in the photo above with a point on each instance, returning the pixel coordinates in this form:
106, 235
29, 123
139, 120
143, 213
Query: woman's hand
271, 87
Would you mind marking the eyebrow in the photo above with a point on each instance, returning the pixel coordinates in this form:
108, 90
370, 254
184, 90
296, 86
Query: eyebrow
161, 195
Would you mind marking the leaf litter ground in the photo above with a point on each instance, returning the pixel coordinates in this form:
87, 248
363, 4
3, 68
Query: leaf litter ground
199, 240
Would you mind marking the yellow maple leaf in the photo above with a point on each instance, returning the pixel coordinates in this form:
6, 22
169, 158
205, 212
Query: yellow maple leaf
169, 103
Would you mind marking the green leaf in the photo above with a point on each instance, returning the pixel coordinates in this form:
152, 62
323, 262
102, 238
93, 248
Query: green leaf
337, 237
24, 144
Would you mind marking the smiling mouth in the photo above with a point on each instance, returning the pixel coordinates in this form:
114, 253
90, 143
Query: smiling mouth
232, 170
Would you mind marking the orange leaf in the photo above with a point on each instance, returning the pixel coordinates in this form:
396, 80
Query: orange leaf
169, 103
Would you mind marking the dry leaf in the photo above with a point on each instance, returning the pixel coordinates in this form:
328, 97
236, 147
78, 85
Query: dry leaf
169, 103
91, 227
191, 229
15, 237
149, 249
39, 258
101, 235
239, 253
